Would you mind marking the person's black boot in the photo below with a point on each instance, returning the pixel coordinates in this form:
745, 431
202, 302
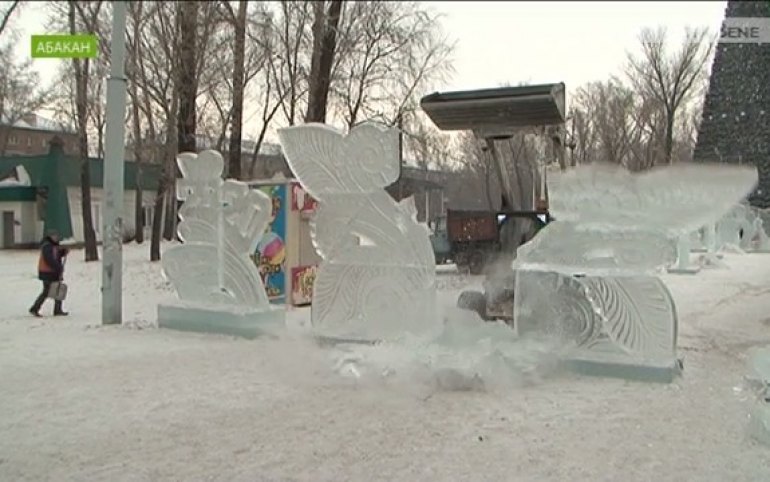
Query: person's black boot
61, 313
34, 313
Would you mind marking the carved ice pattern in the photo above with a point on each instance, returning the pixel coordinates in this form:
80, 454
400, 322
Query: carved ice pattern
221, 224
590, 277
377, 277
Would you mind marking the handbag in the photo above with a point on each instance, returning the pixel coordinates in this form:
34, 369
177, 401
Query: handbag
58, 291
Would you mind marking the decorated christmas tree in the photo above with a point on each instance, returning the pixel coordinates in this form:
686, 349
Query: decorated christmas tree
735, 127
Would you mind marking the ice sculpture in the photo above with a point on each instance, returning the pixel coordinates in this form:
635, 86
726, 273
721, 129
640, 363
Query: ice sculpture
743, 228
217, 282
759, 377
590, 278
377, 275
683, 250
763, 241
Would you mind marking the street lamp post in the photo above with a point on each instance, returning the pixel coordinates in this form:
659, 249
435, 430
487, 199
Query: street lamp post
114, 164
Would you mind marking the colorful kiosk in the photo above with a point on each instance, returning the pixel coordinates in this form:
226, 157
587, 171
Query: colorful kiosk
285, 256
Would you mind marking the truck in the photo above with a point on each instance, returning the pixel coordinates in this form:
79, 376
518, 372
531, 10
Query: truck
471, 238
494, 116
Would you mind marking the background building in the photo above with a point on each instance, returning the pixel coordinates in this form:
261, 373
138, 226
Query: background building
42, 192
31, 136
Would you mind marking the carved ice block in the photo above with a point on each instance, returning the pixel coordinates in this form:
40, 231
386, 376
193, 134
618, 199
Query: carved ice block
683, 264
377, 275
729, 229
755, 239
589, 279
218, 284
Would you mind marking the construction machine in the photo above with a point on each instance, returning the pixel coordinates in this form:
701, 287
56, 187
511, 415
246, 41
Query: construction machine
495, 116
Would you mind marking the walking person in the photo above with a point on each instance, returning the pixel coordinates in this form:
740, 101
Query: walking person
50, 269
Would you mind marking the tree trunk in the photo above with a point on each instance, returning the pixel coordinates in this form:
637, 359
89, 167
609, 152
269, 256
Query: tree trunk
139, 218
166, 184
234, 164
100, 141
669, 146
138, 155
170, 225
157, 218
187, 80
170, 173
324, 45
255, 154
81, 108
138, 208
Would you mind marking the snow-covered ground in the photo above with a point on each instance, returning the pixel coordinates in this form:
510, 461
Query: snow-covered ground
79, 401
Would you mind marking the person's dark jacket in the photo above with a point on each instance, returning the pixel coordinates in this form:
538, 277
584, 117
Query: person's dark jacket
49, 266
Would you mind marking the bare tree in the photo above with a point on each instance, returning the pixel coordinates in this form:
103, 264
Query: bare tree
583, 134
292, 48
238, 21
160, 76
6, 16
608, 107
224, 89
325, 23
187, 83
137, 21
647, 148
20, 93
88, 13
475, 172
670, 80
389, 53
270, 78
196, 22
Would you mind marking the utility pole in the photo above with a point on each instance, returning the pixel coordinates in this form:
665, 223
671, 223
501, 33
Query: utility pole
114, 164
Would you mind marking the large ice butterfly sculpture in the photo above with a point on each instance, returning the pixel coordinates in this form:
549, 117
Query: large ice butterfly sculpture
377, 275
590, 277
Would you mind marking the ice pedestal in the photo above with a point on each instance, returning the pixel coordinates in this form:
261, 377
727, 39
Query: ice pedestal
222, 319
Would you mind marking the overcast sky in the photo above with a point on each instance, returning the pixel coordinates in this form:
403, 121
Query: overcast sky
513, 42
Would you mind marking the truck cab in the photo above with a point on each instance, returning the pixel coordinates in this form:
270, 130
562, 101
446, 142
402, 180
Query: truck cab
439, 239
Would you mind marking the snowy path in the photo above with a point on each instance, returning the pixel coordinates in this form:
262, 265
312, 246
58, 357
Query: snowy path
83, 402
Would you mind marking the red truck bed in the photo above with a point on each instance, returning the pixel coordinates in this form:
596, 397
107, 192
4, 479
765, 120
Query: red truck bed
471, 226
